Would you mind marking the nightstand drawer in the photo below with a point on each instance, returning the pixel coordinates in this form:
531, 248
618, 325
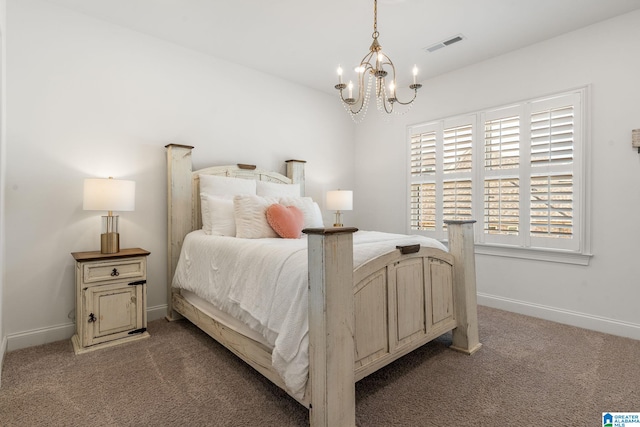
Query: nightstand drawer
122, 269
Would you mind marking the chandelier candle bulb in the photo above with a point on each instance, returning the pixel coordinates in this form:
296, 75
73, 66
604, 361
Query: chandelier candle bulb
350, 89
415, 73
340, 75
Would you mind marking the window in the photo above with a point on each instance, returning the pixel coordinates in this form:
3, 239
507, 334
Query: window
517, 170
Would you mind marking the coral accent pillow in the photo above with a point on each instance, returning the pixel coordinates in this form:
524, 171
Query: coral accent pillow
287, 221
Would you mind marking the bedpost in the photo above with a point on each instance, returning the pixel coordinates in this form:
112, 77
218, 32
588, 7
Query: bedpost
178, 209
331, 327
295, 172
461, 246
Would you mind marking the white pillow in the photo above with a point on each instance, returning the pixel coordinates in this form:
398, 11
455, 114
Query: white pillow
218, 216
221, 187
226, 187
310, 209
273, 189
251, 216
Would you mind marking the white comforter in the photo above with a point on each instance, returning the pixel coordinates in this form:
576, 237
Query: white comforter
263, 282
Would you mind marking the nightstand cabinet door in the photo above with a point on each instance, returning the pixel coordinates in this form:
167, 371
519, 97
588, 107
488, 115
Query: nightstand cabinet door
116, 312
111, 294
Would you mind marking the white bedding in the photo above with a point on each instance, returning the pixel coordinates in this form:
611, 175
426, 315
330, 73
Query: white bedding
263, 282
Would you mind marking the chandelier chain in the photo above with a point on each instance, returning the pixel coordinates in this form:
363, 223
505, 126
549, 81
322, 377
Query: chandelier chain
375, 20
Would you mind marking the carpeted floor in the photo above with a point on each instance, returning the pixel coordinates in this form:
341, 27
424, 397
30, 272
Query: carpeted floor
529, 372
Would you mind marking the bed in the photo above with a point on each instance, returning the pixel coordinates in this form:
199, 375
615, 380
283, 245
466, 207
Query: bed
359, 319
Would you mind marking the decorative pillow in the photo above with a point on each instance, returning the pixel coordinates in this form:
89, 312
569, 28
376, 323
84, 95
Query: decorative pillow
309, 208
287, 221
221, 187
217, 216
273, 189
251, 217
226, 187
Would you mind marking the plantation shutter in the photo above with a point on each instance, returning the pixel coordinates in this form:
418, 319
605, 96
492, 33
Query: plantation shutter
423, 154
501, 171
552, 189
552, 206
422, 198
457, 200
502, 206
423, 206
457, 160
457, 149
552, 136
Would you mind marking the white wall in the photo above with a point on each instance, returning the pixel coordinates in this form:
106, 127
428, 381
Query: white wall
90, 99
602, 296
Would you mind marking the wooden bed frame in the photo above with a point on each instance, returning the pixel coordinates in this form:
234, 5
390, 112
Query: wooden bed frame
359, 321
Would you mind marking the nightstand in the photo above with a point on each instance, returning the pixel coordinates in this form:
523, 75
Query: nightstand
111, 298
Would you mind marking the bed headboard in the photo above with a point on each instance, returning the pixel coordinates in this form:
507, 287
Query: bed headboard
183, 196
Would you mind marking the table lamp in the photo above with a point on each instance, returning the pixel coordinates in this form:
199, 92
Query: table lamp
339, 200
109, 195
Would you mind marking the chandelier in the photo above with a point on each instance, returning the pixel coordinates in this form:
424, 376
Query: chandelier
375, 66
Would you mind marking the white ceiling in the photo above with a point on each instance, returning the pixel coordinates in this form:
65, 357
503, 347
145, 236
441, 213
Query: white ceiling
304, 41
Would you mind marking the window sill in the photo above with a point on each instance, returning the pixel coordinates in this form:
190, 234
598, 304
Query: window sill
549, 255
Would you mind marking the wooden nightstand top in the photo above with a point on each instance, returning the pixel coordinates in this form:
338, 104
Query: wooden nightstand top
97, 255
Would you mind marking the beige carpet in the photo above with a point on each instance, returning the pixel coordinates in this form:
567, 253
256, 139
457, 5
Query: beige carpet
529, 372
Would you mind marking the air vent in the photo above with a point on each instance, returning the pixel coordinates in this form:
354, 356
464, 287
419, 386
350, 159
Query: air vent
444, 43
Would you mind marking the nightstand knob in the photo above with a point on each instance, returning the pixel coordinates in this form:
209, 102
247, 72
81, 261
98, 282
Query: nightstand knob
115, 272
92, 318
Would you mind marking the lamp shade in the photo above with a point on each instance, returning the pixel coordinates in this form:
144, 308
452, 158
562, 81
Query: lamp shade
109, 195
340, 200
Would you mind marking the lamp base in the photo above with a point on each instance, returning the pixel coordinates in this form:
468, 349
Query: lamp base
109, 243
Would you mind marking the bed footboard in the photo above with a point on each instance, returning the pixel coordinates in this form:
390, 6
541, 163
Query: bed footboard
385, 309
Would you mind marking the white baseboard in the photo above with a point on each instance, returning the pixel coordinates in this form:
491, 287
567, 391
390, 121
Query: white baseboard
49, 334
39, 336
156, 312
3, 350
567, 317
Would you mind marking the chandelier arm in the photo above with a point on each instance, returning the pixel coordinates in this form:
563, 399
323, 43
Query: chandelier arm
360, 101
382, 100
361, 87
365, 66
388, 110
366, 60
364, 100
342, 98
415, 93
351, 104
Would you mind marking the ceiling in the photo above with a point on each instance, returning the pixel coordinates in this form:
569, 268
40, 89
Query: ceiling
304, 41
